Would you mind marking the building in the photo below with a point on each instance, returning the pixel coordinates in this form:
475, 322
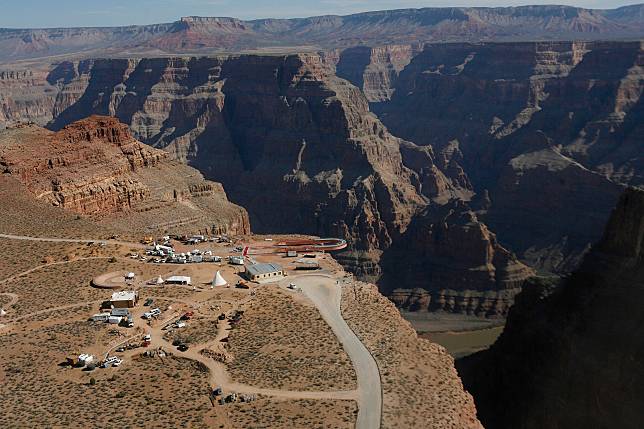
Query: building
264, 272
124, 299
114, 320
178, 280
219, 280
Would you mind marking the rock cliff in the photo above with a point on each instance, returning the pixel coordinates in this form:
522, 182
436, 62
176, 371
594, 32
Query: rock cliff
448, 260
95, 167
541, 128
571, 356
290, 141
421, 388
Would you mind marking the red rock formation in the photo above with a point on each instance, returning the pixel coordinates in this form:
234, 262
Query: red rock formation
95, 167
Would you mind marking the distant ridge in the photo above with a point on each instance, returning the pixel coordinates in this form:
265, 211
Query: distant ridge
194, 35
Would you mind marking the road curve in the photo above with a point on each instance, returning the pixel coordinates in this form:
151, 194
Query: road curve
326, 294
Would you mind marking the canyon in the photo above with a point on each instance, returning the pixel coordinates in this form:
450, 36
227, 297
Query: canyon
509, 164
484, 165
568, 356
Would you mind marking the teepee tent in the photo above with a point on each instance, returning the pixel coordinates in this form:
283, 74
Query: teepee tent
160, 281
2, 312
219, 280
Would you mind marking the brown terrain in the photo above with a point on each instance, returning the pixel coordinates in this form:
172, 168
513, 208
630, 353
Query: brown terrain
469, 156
96, 168
571, 356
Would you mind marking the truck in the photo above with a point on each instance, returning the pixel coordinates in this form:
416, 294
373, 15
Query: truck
111, 361
152, 313
242, 285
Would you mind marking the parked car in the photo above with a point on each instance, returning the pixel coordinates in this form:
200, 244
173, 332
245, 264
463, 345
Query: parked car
182, 347
148, 302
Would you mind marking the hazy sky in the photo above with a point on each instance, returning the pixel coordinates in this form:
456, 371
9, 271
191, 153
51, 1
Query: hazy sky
66, 13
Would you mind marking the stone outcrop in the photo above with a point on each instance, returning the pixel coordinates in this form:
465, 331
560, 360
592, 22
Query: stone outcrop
372, 69
570, 356
95, 167
448, 260
25, 96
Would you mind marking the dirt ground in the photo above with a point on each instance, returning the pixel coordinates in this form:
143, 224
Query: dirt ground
278, 414
49, 321
282, 343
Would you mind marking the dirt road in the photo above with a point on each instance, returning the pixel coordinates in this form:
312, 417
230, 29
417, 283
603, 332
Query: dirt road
72, 240
326, 294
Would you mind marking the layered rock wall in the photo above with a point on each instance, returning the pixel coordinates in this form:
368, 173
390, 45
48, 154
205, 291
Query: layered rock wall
95, 167
540, 128
538, 138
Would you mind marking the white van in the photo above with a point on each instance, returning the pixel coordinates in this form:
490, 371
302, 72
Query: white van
152, 313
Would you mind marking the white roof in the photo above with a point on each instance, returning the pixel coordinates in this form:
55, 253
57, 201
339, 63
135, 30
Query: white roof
178, 279
265, 268
129, 275
219, 280
126, 295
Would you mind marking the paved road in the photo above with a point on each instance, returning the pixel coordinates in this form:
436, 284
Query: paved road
326, 295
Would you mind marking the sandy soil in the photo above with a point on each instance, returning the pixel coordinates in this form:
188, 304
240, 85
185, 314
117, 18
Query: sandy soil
281, 343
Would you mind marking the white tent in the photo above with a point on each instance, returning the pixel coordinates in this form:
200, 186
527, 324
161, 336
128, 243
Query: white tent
160, 281
2, 312
219, 280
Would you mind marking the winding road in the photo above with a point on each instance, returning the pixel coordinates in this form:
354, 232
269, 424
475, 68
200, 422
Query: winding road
326, 294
